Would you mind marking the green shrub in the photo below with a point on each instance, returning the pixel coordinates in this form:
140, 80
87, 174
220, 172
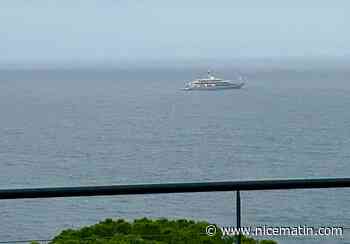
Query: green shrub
146, 231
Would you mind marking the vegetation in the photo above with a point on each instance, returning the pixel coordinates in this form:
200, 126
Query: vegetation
146, 231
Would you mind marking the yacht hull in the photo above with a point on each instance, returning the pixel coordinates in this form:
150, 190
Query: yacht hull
206, 88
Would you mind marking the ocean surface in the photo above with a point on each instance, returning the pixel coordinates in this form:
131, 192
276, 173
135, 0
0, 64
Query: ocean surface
124, 126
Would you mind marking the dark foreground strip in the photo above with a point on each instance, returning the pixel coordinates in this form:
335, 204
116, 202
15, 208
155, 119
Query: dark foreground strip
254, 185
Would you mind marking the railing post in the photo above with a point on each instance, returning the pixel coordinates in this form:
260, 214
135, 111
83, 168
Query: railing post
238, 215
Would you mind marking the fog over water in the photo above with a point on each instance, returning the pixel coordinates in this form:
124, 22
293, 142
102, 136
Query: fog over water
36, 32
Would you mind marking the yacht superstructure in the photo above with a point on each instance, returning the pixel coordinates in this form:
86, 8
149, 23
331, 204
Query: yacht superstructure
213, 83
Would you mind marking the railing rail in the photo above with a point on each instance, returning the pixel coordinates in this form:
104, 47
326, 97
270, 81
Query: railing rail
254, 185
235, 186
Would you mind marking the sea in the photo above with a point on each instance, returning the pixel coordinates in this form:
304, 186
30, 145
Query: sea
99, 126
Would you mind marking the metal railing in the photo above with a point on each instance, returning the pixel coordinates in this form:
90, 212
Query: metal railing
234, 186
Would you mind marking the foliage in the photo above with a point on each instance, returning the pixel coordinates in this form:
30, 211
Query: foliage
146, 231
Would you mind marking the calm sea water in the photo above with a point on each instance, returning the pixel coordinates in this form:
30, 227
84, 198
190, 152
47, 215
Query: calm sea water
81, 127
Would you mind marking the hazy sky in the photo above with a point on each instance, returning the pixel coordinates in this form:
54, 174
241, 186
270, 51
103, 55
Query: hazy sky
115, 30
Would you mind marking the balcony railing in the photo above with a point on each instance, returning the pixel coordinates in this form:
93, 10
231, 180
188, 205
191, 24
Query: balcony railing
226, 186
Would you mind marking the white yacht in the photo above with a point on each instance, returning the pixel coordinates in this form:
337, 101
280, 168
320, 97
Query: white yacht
213, 83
